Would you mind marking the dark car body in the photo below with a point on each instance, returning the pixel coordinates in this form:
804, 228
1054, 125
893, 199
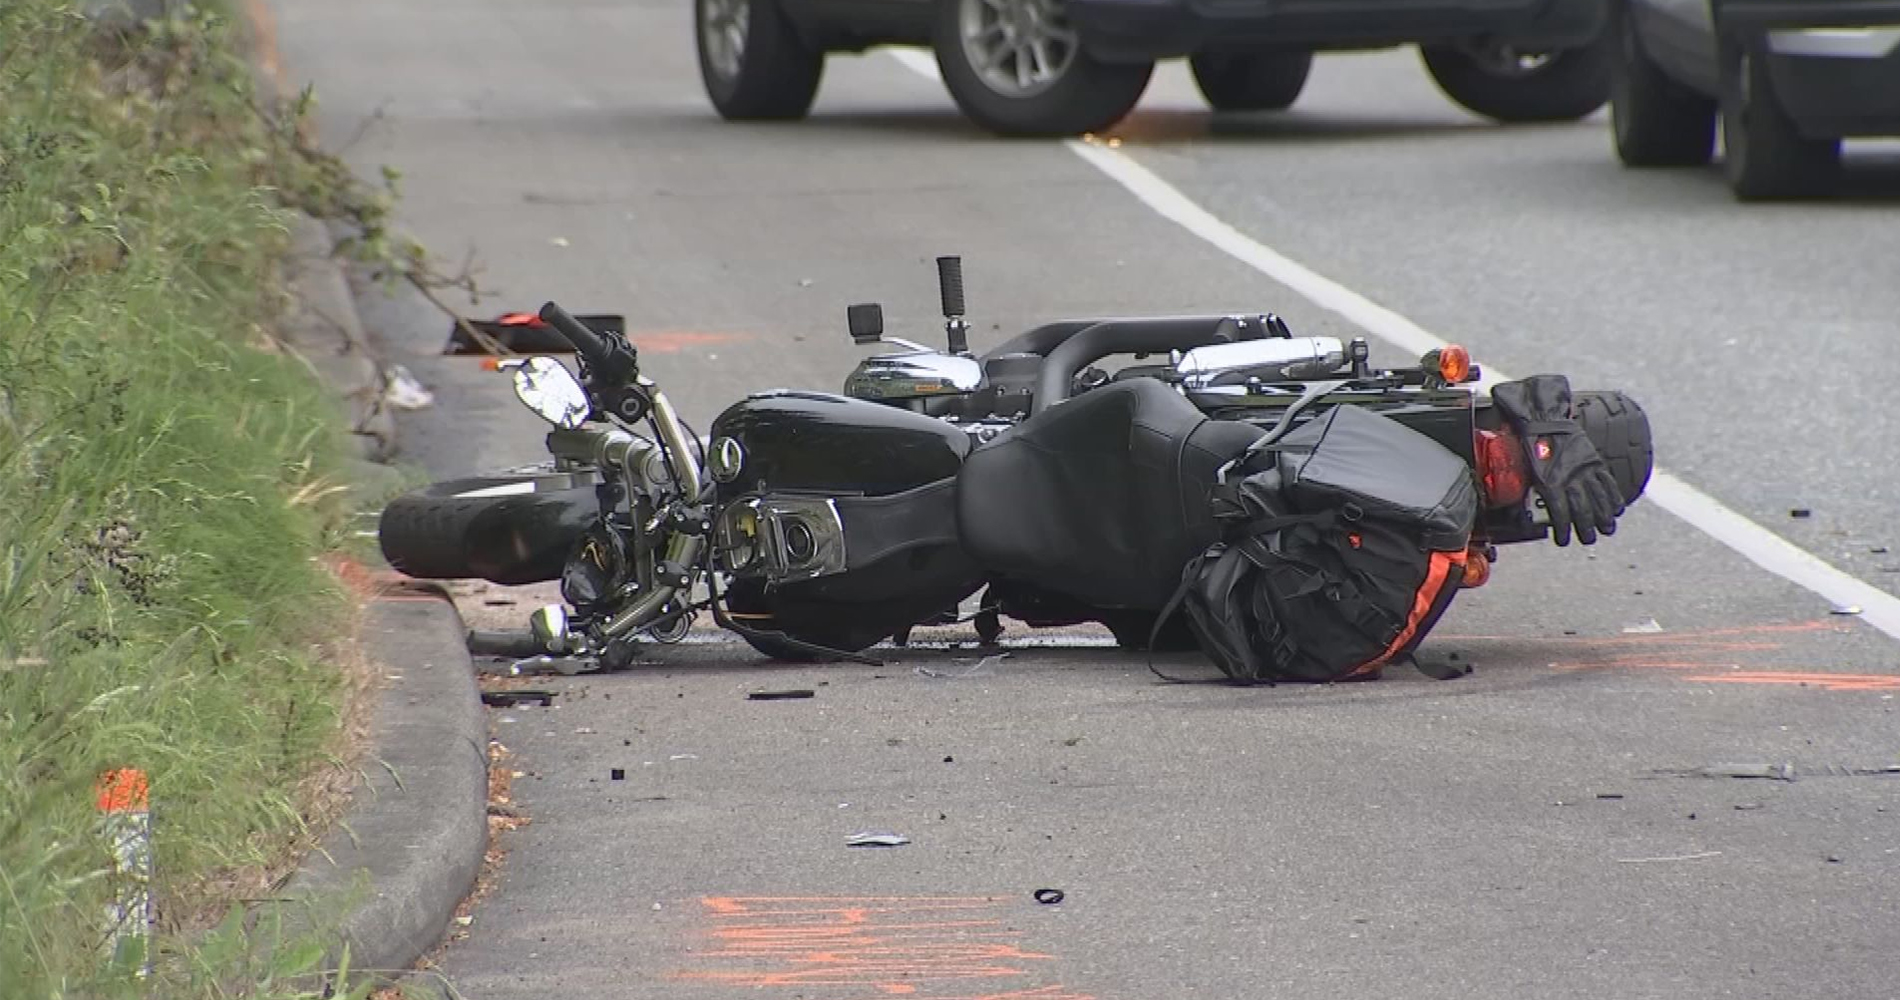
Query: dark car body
1834, 64
1786, 81
1141, 30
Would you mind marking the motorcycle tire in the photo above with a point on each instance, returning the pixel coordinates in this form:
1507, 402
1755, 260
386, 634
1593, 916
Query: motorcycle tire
1619, 429
506, 529
1132, 629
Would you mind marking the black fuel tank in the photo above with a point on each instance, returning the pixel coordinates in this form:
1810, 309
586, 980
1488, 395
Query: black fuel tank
822, 442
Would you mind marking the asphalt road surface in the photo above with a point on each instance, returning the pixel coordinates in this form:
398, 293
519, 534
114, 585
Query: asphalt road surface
1599, 810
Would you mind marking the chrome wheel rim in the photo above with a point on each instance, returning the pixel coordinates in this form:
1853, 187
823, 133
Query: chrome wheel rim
1018, 48
722, 32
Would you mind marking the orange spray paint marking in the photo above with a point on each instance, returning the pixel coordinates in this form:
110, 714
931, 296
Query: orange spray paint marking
1694, 653
865, 948
675, 341
1826, 682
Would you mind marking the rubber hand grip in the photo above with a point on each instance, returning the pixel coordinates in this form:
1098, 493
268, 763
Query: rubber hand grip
587, 342
950, 285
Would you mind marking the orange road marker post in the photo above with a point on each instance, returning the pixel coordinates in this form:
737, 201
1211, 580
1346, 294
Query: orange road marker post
123, 798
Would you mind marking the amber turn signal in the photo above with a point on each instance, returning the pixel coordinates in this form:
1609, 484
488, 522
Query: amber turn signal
1454, 363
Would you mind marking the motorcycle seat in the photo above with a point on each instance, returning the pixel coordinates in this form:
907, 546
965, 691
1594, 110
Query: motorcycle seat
1103, 498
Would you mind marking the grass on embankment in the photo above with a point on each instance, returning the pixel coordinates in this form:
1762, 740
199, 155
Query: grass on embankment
167, 484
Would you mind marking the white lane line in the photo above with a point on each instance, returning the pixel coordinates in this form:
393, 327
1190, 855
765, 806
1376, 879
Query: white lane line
1759, 545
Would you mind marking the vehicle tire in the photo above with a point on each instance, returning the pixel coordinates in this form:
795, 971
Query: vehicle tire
507, 529
1619, 429
1251, 81
1131, 630
1764, 156
1505, 85
1656, 121
1066, 93
752, 62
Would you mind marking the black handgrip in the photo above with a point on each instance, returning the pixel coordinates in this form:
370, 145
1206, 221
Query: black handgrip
498, 643
587, 342
950, 285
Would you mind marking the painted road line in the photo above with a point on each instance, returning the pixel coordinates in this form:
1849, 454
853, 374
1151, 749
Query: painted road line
1759, 545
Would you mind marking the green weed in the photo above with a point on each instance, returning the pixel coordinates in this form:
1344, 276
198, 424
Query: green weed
166, 491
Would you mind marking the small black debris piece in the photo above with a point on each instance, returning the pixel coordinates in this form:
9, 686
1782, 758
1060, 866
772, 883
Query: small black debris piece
1609, 795
618, 774
949, 760
1049, 897
506, 699
781, 695
1800, 512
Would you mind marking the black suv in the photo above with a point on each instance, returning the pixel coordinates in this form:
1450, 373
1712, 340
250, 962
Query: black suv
1062, 67
1788, 79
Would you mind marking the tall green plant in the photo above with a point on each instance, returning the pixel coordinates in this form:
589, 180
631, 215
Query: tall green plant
164, 474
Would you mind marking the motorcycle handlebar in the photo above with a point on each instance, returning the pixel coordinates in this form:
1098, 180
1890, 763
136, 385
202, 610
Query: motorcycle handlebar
1157, 335
587, 342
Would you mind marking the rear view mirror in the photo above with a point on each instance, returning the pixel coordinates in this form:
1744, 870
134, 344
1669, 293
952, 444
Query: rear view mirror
545, 386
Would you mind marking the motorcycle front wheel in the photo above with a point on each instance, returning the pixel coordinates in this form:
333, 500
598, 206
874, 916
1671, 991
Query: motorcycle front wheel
509, 528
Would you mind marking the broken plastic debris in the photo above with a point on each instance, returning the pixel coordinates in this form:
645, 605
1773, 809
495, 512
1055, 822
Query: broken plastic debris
1783, 771
402, 390
877, 840
1845, 609
1800, 512
1673, 857
972, 670
780, 695
1644, 626
1049, 897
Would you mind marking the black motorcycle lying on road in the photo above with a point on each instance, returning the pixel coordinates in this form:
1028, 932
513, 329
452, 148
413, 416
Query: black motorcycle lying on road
815, 525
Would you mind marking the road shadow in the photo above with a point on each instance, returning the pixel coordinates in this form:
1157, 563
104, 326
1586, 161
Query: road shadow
1144, 127
1162, 126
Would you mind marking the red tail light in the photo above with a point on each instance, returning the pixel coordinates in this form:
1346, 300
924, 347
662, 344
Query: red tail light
1502, 469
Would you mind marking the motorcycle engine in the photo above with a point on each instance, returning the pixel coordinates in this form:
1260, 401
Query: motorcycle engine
597, 568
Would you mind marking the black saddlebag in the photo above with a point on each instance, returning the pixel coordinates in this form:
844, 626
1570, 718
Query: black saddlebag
1342, 544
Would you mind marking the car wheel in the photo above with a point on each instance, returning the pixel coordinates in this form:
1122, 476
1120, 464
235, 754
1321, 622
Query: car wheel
1251, 81
1506, 84
1017, 67
1763, 154
752, 62
1656, 121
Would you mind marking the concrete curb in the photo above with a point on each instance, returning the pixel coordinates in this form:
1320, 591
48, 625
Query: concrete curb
417, 825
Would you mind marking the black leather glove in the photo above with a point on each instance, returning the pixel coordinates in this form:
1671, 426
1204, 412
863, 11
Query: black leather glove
1575, 483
